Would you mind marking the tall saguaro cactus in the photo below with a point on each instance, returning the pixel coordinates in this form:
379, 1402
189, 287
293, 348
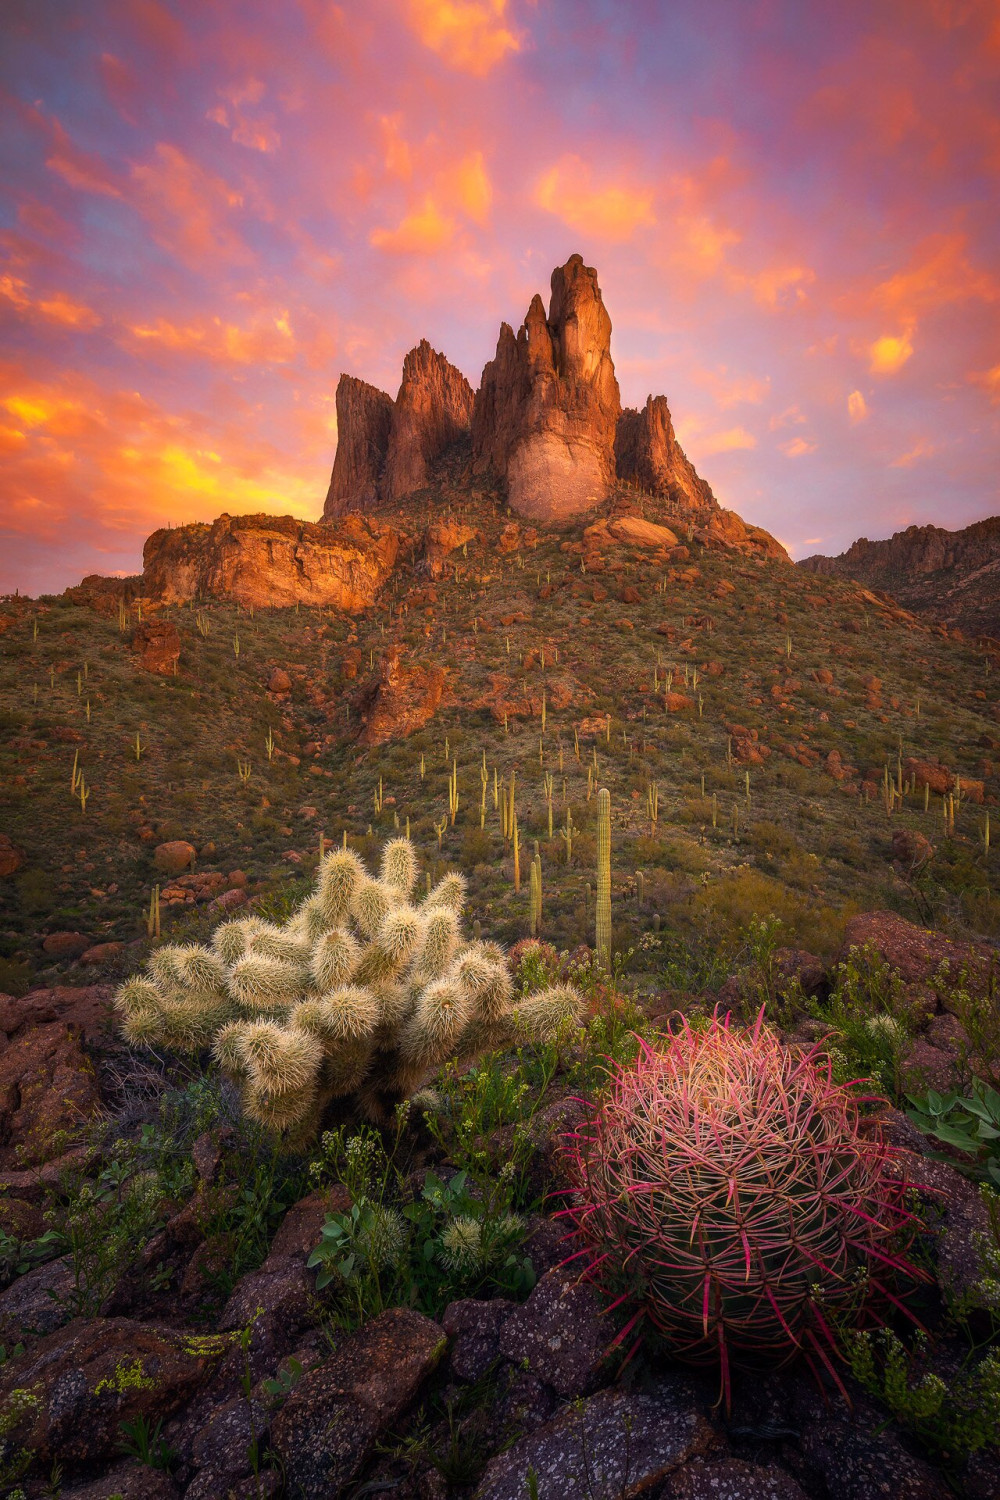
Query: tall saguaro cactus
603, 925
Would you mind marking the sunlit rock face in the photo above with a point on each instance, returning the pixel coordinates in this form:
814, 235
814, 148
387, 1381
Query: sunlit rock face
272, 560
548, 403
364, 419
648, 454
432, 411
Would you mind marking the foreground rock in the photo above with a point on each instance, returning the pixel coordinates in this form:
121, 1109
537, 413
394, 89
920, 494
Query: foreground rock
559, 1334
272, 560
329, 1426
616, 1445
48, 1091
87, 1379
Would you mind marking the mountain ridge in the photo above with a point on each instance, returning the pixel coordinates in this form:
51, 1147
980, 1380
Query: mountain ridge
952, 577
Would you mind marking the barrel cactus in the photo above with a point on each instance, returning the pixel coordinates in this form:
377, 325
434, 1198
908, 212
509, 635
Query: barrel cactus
361, 993
724, 1188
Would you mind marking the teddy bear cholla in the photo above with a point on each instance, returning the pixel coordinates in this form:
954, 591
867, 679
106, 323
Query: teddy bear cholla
362, 992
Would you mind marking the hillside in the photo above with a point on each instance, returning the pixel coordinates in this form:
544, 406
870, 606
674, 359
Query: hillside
950, 576
225, 1274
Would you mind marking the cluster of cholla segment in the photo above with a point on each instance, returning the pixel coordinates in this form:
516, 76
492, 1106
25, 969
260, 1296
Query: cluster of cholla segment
363, 992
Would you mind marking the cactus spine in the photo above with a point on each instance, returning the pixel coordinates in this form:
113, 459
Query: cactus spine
603, 919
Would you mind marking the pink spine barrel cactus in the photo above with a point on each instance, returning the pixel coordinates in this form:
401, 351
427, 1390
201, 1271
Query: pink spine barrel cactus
724, 1189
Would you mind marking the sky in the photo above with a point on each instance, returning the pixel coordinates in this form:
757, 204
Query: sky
209, 209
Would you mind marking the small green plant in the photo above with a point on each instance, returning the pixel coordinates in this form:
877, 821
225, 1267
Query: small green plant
971, 1125
144, 1442
953, 1418
454, 1239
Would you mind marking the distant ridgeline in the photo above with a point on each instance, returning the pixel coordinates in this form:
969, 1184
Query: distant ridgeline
951, 576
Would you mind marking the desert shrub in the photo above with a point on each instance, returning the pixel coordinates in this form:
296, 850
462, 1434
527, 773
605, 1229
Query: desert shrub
729, 904
953, 1417
724, 1190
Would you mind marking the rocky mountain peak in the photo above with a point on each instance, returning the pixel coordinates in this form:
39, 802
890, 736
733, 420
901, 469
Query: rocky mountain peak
433, 410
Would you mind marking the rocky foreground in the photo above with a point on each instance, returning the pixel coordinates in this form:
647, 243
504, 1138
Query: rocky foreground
259, 1394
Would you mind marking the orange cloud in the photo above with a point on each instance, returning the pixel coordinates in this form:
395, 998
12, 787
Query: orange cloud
58, 308
940, 272
726, 442
189, 210
470, 35
890, 353
79, 168
266, 341
609, 212
989, 380
857, 407
922, 449
257, 131
423, 231
797, 447
778, 285
472, 187
128, 465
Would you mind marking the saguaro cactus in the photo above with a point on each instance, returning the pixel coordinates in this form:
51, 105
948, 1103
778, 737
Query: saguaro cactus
603, 924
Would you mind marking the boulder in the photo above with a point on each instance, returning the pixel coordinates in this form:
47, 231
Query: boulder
958, 1221
910, 849
91, 1376
364, 417
400, 700
174, 857
128, 1481
559, 1334
47, 1091
548, 403
329, 1425
89, 1008
158, 644
101, 953
614, 1446
11, 857
433, 410
36, 1303
279, 681
474, 1330
916, 953
63, 945
281, 1287
440, 540
300, 1230
274, 561
731, 1479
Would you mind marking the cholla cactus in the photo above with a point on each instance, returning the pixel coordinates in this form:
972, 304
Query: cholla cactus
724, 1186
362, 993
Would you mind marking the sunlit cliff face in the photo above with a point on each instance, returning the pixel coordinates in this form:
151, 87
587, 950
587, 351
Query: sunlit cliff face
208, 210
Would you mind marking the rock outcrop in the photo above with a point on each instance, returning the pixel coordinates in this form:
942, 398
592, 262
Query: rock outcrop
364, 417
432, 411
648, 454
272, 560
548, 405
950, 576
